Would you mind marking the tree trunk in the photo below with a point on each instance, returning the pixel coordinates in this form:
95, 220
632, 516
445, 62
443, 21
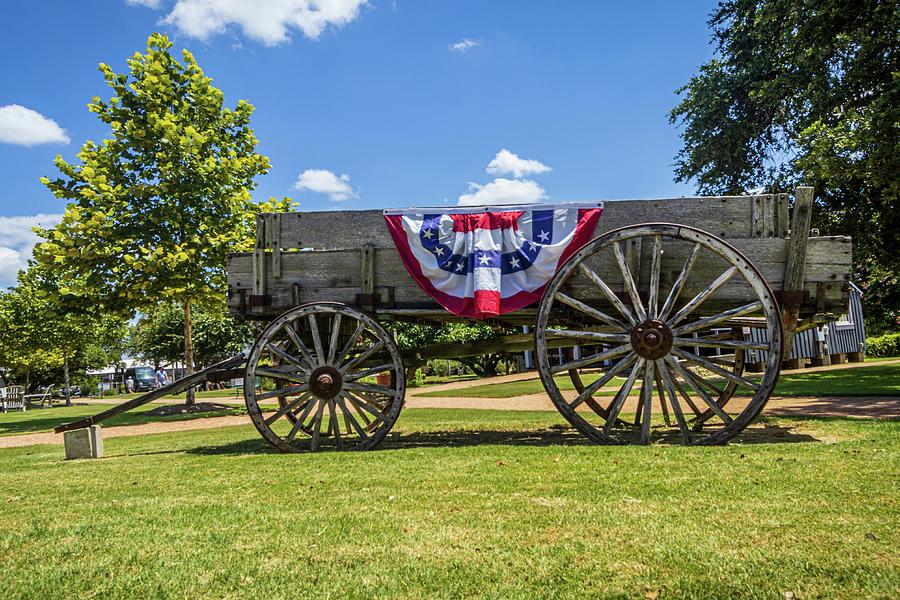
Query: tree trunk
67, 391
188, 351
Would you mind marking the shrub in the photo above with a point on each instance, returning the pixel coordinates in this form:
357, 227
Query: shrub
883, 345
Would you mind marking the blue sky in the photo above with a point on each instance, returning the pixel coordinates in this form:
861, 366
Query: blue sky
374, 104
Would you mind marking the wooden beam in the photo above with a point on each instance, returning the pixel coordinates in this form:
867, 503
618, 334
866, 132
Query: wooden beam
180, 385
795, 269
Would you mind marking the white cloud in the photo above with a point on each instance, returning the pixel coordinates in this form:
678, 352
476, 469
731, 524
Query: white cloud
26, 127
147, 3
325, 182
507, 162
266, 21
17, 241
464, 45
503, 191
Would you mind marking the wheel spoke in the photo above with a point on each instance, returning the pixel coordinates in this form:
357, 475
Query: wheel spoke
313, 401
710, 343
350, 419
610, 295
368, 407
591, 335
334, 425
628, 281
285, 409
333, 340
719, 318
590, 310
664, 374
686, 396
317, 339
371, 371
701, 297
317, 427
292, 333
620, 398
662, 395
291, 390
343, 353
690, 379
362, 357
274, 349
675, 292
371, 388
647, 397
357, 407
593, 358
606, 378
653, 300
276, 374
699, 360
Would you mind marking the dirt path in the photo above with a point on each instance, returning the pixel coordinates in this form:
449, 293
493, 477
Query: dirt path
853, 407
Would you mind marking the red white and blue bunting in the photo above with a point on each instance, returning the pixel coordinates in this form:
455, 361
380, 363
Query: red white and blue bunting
486, 261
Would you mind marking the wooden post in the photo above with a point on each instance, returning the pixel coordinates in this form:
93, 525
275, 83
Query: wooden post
367, 287
795, 270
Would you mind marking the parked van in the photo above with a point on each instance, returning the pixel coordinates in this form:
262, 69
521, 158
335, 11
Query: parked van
142, 377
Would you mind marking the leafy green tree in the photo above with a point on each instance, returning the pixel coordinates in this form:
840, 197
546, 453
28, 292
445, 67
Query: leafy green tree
806, 91
44, 328
154, 210
23, 350
159, 337
412, 336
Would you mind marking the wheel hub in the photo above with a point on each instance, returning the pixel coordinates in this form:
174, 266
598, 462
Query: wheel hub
651, 339
325, 382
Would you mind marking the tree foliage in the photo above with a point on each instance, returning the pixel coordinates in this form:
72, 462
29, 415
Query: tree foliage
44, 331
158, 337
411, 336
154, 210
806, 91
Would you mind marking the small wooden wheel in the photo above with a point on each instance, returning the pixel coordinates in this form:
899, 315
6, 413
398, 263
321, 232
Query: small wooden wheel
658, 311
336, 375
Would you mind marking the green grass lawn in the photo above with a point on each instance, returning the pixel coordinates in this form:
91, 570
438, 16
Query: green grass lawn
875, 380
45, 419
460, 504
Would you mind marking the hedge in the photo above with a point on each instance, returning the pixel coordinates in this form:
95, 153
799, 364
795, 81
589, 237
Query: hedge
883, 345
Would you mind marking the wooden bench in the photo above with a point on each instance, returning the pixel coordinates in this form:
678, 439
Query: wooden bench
12, 397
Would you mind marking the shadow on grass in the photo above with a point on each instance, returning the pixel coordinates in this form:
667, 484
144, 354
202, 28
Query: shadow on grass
856, 408
759, 433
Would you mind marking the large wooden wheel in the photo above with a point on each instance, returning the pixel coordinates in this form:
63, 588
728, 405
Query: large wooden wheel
660, 328
324, 375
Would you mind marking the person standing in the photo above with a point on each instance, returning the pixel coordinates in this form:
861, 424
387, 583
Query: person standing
161, 377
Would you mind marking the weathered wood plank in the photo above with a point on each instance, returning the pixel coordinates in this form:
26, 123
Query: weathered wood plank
795, 266
724, 216
336, 275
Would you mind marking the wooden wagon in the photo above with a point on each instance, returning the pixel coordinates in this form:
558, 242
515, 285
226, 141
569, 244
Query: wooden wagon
648, 317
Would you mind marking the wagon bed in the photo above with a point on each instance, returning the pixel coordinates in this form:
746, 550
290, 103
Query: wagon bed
349, 257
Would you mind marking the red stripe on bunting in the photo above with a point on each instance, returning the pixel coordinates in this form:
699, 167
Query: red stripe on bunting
486, 220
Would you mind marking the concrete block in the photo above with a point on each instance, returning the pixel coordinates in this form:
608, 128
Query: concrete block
84, 443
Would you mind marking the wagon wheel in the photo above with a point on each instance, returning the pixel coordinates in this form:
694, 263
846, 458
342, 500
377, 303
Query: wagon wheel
678, 347
336, 375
